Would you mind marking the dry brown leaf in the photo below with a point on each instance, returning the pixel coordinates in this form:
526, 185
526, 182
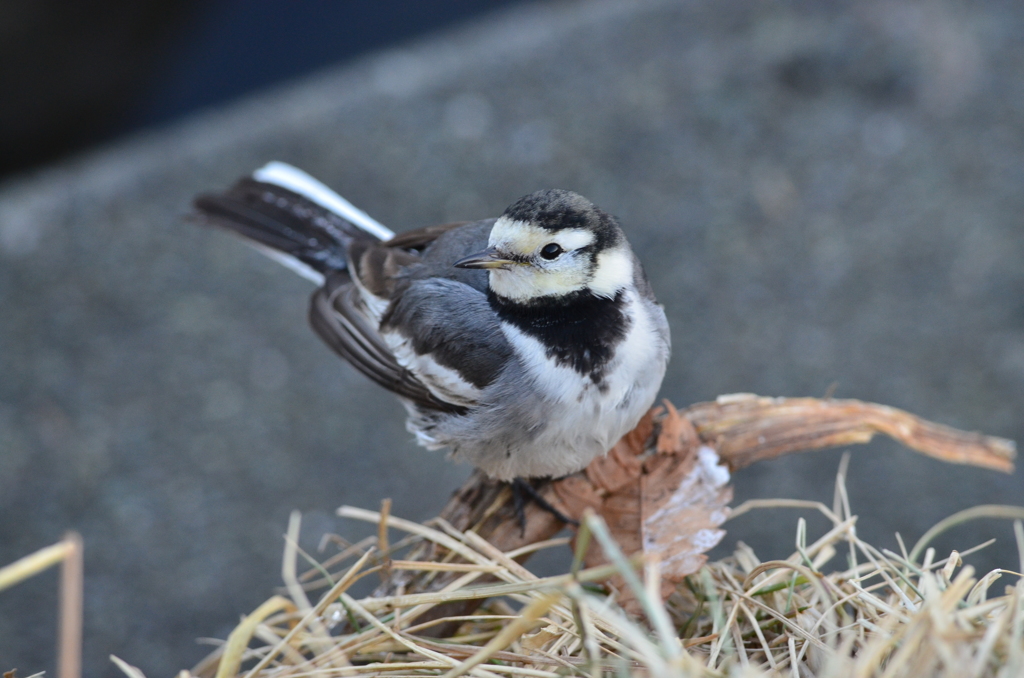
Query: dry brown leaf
684, 498
666, 501
622, 465
677, 433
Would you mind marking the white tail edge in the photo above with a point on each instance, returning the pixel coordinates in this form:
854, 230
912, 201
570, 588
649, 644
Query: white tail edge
286, 176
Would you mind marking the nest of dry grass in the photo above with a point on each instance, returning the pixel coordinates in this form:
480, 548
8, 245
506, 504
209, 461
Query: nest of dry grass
879, 614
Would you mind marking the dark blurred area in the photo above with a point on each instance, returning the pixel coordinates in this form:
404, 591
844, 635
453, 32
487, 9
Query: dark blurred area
74, 74
69, 71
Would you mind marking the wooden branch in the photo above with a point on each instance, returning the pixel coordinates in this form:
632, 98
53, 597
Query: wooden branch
745, 429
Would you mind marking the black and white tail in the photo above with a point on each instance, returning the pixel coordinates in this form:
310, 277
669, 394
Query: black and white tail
292, 218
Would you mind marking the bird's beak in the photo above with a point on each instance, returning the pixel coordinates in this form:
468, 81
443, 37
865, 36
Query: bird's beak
489, 258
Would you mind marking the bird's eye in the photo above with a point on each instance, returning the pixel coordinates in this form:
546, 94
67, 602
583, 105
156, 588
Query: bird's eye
551, 251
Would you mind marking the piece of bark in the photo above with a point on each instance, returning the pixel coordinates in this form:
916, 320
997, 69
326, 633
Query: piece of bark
661, 493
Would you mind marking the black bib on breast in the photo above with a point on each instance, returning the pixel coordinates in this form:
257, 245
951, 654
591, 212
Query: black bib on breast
578, 330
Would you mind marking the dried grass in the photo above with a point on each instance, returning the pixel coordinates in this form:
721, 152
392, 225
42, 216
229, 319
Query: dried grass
884, 614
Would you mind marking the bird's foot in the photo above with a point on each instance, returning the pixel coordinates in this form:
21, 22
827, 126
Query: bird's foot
523, 490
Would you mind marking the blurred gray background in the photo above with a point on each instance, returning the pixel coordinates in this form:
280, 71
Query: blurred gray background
822, 193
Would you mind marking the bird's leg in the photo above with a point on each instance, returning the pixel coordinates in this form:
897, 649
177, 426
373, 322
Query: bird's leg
523, 490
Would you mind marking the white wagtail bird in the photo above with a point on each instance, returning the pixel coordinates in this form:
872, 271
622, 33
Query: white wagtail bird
527, 344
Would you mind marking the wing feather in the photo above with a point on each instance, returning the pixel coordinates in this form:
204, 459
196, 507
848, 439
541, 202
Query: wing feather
337, 317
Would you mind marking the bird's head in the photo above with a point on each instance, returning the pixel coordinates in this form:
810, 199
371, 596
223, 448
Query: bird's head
553, 243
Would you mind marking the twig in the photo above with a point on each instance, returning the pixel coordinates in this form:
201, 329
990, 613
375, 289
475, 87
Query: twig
745, 429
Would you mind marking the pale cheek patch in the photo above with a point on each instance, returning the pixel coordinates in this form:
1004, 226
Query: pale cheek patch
522, 283
516, 283
613, 272
560, 282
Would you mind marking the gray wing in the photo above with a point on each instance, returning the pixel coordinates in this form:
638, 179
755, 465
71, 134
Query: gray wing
443, 312
436, 315
453, 324
336, 315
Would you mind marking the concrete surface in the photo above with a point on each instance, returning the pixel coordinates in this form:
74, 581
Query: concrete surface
822, 193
